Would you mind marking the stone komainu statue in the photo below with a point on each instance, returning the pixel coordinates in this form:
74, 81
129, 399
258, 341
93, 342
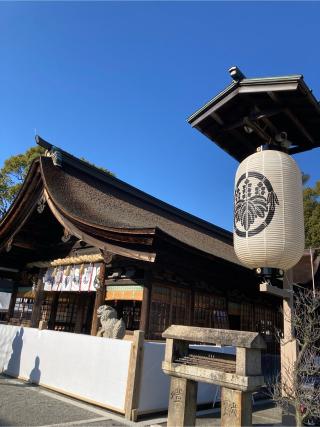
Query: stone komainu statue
111, 327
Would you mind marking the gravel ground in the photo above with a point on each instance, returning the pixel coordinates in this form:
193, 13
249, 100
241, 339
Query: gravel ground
24, 404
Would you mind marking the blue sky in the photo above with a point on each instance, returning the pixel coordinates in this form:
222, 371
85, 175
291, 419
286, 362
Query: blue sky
115, 82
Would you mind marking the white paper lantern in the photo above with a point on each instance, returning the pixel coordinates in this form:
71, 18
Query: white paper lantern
268, 211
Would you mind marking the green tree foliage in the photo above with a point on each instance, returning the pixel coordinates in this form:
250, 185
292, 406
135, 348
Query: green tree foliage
14, 171
311, 202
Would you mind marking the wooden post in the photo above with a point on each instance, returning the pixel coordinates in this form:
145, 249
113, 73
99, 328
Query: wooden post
145, 310
38, 300
236, 408
53, 310
288, 349
80, 312
288, 344
182, 402
99, 300
134, 376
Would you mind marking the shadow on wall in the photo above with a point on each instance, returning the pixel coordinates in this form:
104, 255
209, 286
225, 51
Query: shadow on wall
35, 374
14, 361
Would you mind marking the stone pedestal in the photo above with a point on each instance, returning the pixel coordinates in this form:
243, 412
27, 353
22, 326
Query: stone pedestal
182, 402
236, 408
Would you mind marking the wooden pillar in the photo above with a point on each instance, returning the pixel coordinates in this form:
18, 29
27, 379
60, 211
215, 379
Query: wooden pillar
134, 376
99, 300
182, 402
38, 300
288, 343
81, 300
288, 350
53, 310
236, 408
145, 311
12, 302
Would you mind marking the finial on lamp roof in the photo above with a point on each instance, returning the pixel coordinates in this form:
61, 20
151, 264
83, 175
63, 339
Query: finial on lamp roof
236, 73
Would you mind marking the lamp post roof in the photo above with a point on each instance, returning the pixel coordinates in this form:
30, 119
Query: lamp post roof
251, 112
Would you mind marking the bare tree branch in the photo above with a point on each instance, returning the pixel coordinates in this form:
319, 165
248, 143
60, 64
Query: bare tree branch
299, 385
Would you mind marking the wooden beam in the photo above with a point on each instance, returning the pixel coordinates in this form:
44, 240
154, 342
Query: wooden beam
99, 300
38, 300
293, 117
233, 131
257, 129
272, 87
256, 115
214, 108
24, 245
273, 290
134, 376
262, 115
145, 310
299, 125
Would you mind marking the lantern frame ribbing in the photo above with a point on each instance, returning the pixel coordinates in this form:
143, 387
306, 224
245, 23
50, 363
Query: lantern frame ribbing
268, 211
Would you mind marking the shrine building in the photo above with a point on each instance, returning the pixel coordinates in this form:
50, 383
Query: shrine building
76, 237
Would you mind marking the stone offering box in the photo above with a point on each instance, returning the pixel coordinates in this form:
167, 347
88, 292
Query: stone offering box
238, 375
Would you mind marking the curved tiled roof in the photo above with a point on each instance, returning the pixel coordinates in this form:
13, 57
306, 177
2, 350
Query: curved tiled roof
107, 212
103, 203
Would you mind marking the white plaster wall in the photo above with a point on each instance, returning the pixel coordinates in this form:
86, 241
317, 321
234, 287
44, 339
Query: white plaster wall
154, 390
89, 367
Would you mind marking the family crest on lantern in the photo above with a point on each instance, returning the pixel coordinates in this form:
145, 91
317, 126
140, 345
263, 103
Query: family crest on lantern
254, 204
268, 218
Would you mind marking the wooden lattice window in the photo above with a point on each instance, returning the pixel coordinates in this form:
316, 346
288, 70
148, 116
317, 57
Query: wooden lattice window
160, 310
202, 310
219, 315
268, 321
168, 305
259, 317
131, 312
247, 317
210, 311
66, 313
180, 310
46, 307
23, 308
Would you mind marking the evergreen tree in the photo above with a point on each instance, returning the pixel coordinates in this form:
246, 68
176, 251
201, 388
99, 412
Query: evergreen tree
311, 202
14, 171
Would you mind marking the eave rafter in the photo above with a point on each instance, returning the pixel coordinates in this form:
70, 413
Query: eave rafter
34, 195
253, 112
83, 234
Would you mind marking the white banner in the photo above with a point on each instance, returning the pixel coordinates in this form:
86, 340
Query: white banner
72, 278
